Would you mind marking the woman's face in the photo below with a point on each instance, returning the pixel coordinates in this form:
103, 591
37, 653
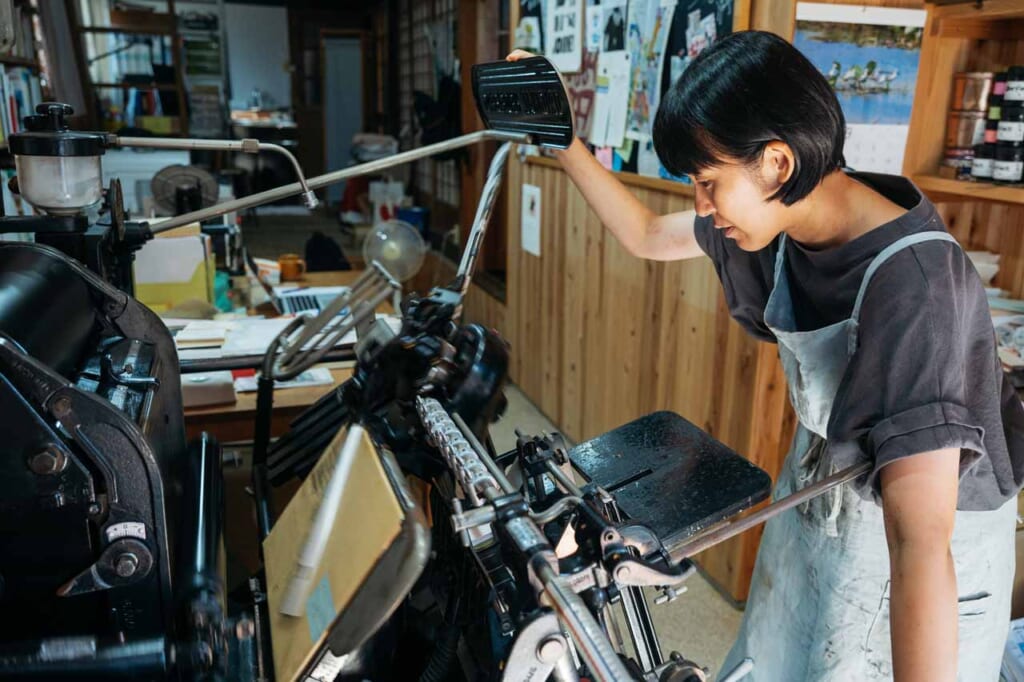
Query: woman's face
738, 200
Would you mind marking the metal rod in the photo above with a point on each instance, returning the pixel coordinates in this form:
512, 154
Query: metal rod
562, 479
319, 181
247, 145
484, 456
480, 221
591, 640
693, 545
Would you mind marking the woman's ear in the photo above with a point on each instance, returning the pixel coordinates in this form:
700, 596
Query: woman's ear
777, 165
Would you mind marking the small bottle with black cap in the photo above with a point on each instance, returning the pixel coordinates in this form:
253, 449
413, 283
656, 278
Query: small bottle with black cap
1008, 162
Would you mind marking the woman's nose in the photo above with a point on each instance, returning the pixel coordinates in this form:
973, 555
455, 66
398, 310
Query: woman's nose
702, 202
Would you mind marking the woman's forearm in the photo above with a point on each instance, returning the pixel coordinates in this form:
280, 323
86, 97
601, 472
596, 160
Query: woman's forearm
616, 207
923, 615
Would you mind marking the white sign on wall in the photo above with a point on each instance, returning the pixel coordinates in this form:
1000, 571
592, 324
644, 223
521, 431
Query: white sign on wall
563, 39
530, 220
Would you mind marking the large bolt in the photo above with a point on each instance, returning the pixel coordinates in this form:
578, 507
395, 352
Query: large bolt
49, 460
61, 406
622, 573
126, 564
550, 650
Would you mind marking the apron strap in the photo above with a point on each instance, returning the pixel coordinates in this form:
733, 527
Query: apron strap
780, 256
879, 260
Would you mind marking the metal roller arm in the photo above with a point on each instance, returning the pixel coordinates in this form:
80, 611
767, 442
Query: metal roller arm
478, 481
319, 181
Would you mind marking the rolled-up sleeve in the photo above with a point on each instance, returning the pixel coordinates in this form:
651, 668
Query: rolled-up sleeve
923, 370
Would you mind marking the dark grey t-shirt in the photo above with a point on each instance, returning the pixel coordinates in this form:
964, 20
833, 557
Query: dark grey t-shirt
925, 375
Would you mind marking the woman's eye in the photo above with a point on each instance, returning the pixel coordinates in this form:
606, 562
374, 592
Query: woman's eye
706, 184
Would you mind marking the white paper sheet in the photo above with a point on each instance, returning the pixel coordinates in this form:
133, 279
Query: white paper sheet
613, 25
564, 34
318, 376
530, 220
611, 101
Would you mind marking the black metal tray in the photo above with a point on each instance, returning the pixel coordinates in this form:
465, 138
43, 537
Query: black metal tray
669, 475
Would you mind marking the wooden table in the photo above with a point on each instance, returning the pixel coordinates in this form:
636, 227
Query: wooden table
236, 421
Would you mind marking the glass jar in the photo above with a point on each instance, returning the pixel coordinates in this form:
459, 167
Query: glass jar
1011, 126
981, 166
1008, 167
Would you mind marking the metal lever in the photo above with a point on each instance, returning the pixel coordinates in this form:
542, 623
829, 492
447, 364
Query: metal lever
480, 221
319, 181
248, 146
538, 647
123, 562
695, 544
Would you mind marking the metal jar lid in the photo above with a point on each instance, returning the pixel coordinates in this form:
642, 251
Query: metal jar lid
47, 134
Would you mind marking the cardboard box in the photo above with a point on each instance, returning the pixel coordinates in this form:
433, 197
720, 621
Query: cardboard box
175, 268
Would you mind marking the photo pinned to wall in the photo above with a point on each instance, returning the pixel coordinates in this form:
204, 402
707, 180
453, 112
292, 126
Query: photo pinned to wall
593, 27
582, 88
611, 99
869, 55
529, 33
564, 28
529, 228
696, 25
649, 24
613, 25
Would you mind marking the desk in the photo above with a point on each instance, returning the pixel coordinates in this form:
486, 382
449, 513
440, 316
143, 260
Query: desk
236, 422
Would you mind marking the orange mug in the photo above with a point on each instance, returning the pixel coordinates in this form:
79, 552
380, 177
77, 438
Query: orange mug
292, 267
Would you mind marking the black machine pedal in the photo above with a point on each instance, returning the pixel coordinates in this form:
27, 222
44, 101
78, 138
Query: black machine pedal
526, 96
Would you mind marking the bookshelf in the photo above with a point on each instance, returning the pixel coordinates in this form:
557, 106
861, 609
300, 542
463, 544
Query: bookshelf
132, 67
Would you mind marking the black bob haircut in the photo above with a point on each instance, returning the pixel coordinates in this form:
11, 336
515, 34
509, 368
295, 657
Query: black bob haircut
748, 89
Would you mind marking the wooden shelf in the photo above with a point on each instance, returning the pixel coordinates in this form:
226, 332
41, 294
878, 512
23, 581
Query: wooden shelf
944, 189
629, 179
170, 87
19, 61
114, 29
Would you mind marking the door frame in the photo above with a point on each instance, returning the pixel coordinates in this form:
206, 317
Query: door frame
368, 86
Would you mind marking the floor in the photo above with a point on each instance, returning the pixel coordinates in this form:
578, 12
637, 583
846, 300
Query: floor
700, 624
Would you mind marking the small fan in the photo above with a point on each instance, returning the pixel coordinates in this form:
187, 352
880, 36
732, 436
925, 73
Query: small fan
179, 189
397, 246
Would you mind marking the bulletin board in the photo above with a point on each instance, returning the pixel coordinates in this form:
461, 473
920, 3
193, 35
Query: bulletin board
631, 53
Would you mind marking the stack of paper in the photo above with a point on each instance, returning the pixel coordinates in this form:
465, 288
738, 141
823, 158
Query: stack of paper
202, 333
204, 339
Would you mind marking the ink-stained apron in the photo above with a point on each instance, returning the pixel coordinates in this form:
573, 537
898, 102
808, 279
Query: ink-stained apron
819, 598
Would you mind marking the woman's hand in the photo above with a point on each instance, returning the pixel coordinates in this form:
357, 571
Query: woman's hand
516, 55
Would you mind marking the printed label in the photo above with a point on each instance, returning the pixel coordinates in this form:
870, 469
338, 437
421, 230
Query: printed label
1011, 131
1014, 91
1008, 171
126, 529
982, 168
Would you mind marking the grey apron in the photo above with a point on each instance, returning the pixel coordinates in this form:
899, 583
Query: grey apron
819, 599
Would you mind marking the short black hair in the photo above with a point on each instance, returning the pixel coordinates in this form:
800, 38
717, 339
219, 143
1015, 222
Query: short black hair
748, 89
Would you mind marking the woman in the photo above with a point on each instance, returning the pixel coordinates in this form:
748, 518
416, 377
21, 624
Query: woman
888, 349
